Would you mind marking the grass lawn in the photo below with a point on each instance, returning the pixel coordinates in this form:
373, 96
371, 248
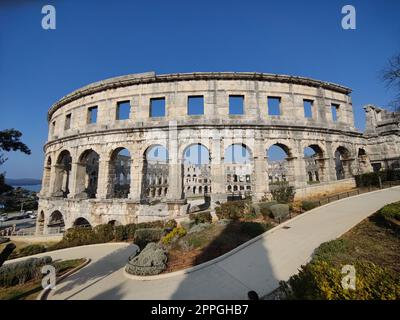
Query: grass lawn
211, 241
31, 289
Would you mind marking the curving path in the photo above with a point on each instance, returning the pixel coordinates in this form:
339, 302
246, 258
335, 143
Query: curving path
257, 265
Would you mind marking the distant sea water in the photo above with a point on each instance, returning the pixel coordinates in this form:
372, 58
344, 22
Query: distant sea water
31, 187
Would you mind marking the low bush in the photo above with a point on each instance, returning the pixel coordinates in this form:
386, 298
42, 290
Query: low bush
151, 261
120, 233
103, 233
308, 205
372, 178
202, 217
174, 235
130, 230
31, 250
147, 235
390, 211
320, 280
234, 209
265, 208
283, 194
280, 211
4, 239
20, 272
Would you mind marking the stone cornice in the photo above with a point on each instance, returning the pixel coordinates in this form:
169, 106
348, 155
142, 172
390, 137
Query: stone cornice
151, 77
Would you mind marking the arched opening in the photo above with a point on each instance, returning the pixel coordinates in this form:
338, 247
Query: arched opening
315, 163
343, 163
56, 223
155, 173
120, 173
196, 160
239, 170
63, 172
87, 174
280, 166
81, 223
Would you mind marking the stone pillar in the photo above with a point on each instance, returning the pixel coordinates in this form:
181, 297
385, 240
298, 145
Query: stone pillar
103, 181
135, 192
175, 174
260, 175
300, 172
217, 173
330, 165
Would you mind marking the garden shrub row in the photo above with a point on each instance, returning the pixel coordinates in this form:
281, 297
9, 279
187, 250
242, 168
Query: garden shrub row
371, 179
20, 272
234, 209
307, 205
201, 217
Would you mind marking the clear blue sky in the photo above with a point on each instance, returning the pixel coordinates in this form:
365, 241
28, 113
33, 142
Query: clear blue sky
95, 40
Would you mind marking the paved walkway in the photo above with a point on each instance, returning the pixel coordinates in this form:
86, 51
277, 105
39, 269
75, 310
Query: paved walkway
259, 266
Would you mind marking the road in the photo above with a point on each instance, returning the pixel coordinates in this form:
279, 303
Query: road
259, 266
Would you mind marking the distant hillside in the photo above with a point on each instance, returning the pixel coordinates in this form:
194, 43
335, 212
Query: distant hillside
23, 182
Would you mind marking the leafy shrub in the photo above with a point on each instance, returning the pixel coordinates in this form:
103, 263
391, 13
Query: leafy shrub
76, 237
20, 272
320, 280
171, 224
234, 209
31, 250
202, 217
372, 178
265, 208
151, 261
145, 236
283, 194
187, 225
175, 234
4, 240
280, 211
328, 250
104, 233
308, 205
130, 230
120, 233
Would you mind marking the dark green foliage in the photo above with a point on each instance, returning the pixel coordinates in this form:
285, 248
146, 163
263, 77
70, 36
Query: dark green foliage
308, 205
280, 211
202, 217
147, 235
120, 233
283, 194
20, 272
104, 233
390, 211
234, 209
171, 224
31, 250
130, 230
265, 208
371, 179
4, 239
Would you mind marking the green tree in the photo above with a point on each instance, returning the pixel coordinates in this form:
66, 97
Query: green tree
10, 141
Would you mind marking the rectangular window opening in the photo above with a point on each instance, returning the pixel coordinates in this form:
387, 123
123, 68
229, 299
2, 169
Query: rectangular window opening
195, 105
123, 110
335, 109
157, 107
53, 127
274, 106
236, 105
92, 115
68, 121
308, 104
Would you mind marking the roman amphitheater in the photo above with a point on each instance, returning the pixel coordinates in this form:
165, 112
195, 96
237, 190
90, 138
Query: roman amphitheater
146, 147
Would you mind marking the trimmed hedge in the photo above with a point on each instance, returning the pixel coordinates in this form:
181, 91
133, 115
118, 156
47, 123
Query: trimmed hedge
371, 179
265, 208
147, 235
234, 209
280, 211
151, 261
20, 272
308, 205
